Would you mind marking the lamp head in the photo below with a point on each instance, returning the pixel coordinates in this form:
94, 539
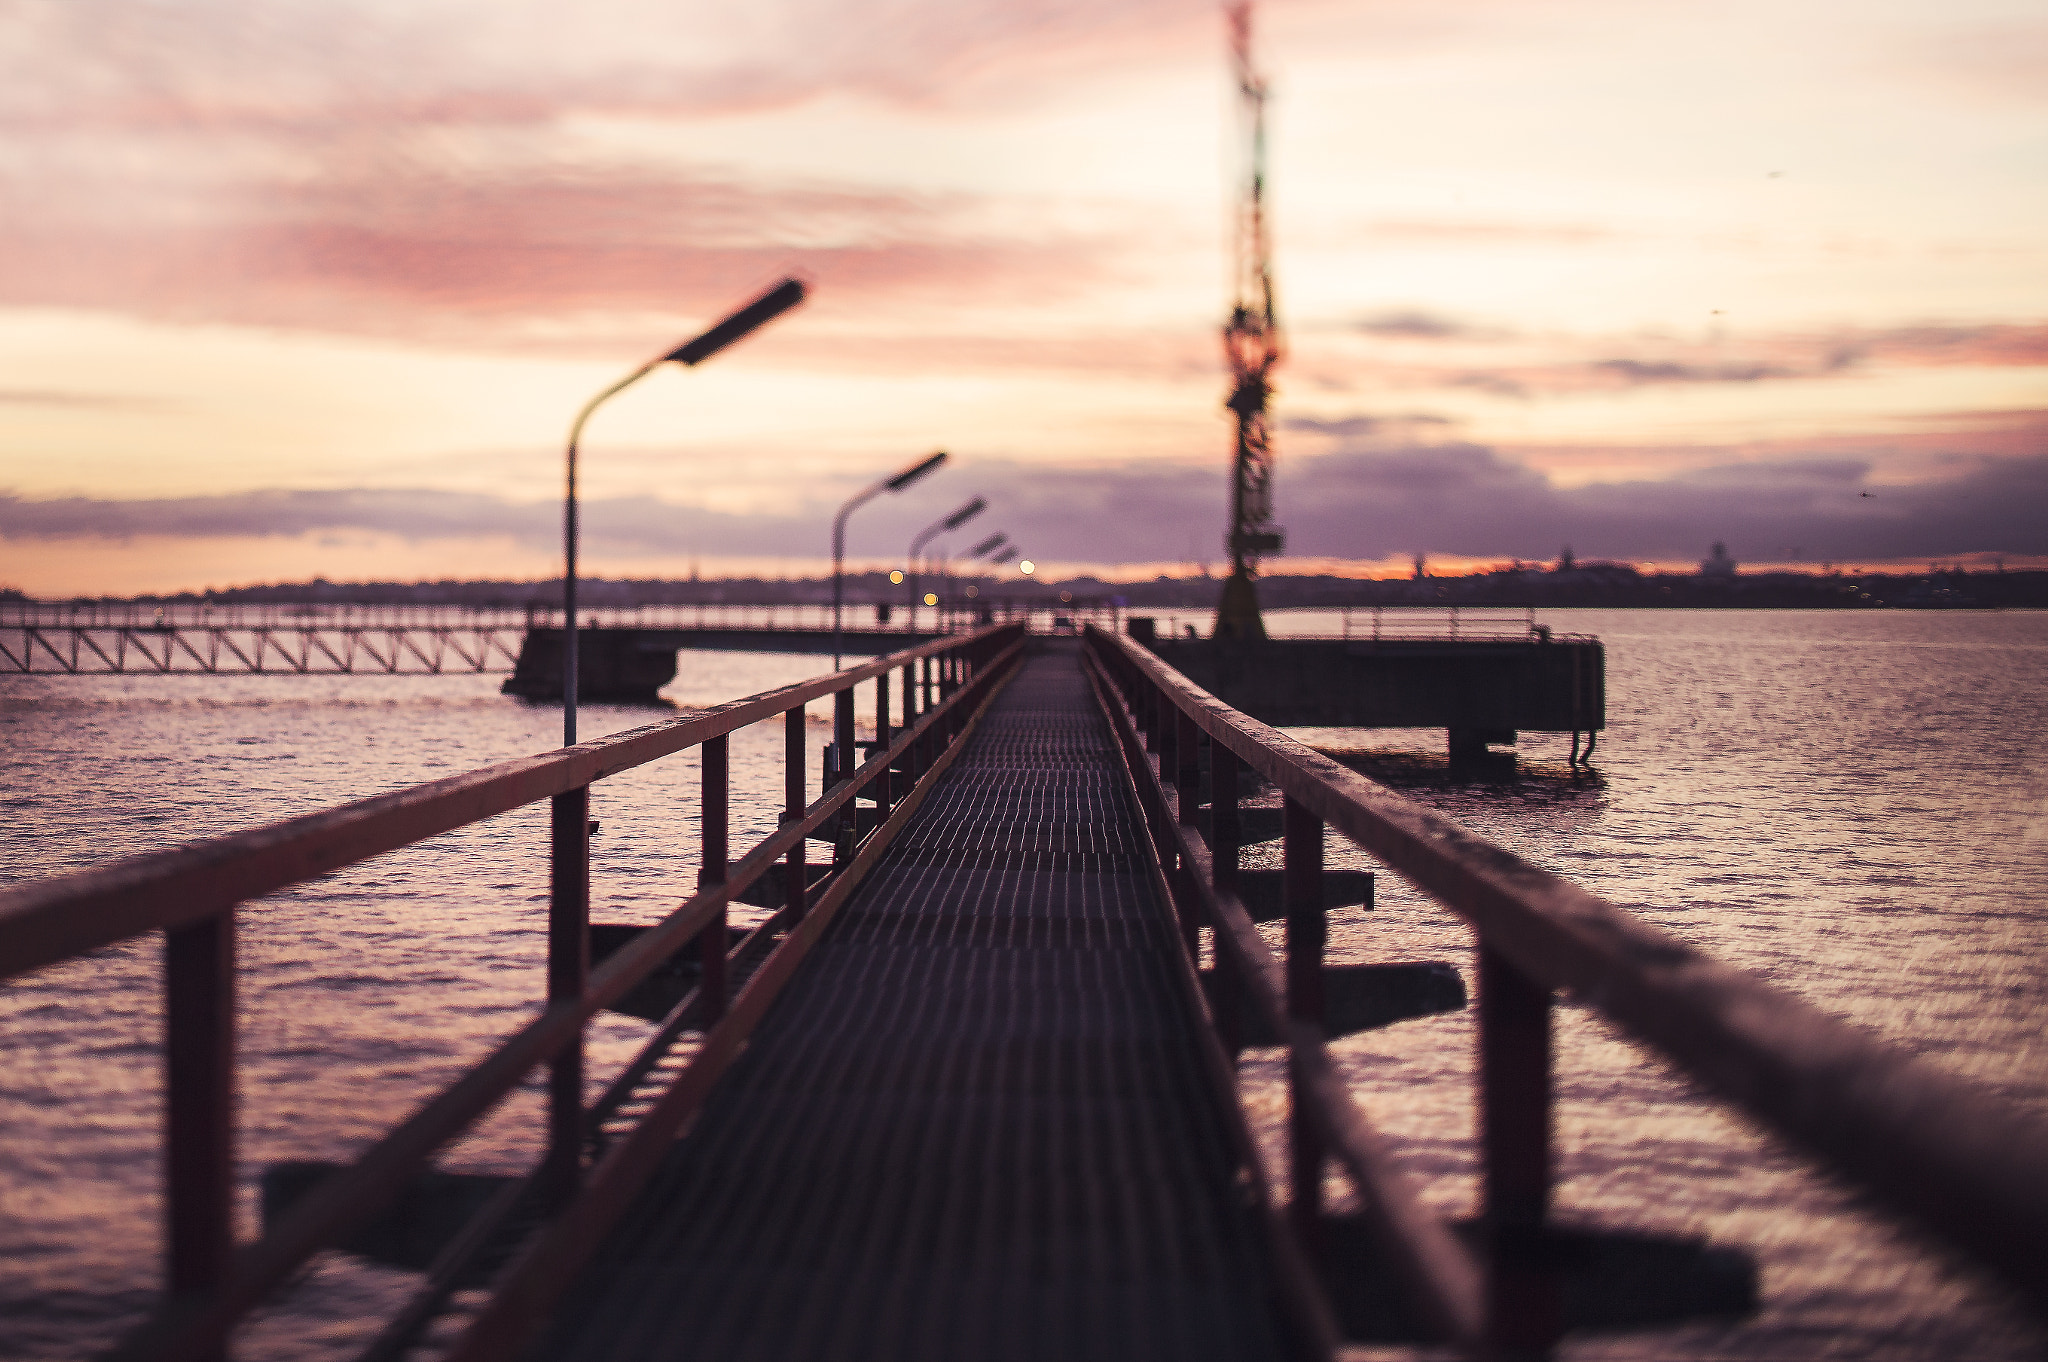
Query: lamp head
915, 471
988, 545
752, 317
966, 513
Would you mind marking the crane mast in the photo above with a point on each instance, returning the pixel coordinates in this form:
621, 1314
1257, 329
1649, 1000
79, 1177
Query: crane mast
1252, 346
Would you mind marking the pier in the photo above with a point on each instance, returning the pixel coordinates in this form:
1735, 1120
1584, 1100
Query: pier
971, 1089
1482, 675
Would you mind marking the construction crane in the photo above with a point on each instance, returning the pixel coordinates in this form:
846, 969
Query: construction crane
1252, 344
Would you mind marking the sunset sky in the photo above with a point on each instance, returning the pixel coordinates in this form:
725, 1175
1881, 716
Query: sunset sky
292, 289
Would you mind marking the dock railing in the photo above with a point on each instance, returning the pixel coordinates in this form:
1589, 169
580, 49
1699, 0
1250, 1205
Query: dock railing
587, 1176
1948, 1158
1469, 623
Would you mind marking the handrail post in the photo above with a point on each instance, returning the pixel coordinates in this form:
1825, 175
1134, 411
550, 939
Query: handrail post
199, 1104
712, 825
1165, 845
1522, 1303
1307, 931
568, 970
794, 740
882, 791
1187, 779
843, 764
1225, 831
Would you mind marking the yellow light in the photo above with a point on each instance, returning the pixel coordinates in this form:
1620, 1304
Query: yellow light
1027, 567
930, 599
896, 578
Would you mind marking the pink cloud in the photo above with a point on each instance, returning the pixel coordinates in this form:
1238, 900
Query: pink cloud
428, 256
221, 66
411, 170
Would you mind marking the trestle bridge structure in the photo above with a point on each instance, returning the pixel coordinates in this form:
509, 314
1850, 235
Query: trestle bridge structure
95, 638
970, 1090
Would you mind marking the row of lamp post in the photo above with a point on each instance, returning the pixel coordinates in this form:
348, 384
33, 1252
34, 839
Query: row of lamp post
895, 484
994, 551
738, 325
925, 536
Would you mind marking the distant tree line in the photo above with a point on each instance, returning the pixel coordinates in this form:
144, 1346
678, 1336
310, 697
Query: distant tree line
1580, 584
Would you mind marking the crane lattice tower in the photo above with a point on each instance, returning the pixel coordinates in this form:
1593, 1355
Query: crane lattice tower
1252, 345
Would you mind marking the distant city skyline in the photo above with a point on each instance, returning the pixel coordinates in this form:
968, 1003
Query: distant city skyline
315, 291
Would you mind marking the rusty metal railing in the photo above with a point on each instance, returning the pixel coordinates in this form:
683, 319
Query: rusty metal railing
192, 894
1946, 1157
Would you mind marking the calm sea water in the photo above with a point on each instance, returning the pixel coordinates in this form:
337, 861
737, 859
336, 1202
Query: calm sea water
1854, 806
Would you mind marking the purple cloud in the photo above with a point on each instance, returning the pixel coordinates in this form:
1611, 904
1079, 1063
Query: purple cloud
1458, 499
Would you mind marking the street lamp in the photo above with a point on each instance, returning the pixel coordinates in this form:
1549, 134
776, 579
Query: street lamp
924, 536
895, 484
763, 309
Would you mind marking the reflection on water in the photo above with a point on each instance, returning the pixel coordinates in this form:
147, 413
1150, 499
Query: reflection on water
1853, 806
1847, 806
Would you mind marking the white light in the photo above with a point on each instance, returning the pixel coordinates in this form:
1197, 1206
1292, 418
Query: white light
1027, 567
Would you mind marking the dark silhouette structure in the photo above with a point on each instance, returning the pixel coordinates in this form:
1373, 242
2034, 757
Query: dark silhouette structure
1251, 342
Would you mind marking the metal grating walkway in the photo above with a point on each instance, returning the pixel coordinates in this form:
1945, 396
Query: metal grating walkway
976, 1126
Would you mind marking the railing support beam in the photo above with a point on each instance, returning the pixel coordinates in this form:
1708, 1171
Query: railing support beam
711, 871
568, 972
199, 1107
1224, 836
1307, 929
794, 740
1522, 1299
843, 766
882, 790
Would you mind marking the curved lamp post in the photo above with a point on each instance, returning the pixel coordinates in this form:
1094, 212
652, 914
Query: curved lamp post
925, 536
895, 484
763, 309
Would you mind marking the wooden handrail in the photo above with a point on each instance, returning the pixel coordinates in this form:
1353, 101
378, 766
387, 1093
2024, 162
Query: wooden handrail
45, 921
1442, 1278
1961, 1164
